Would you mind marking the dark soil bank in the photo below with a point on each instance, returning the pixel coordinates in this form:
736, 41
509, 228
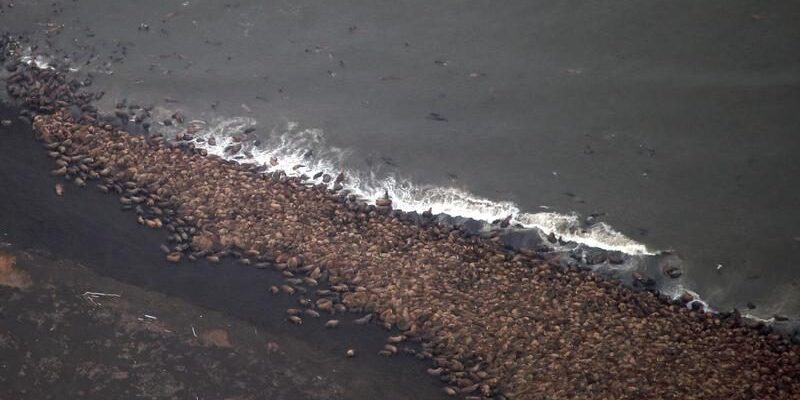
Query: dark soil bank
59, 339
89, 228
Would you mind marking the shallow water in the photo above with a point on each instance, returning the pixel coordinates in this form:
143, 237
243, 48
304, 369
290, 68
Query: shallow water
675, 122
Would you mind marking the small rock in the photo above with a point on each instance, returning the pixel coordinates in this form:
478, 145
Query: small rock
6, 123
217, 338
350, 353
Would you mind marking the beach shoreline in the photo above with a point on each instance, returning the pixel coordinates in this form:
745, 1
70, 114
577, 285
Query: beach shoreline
80, 145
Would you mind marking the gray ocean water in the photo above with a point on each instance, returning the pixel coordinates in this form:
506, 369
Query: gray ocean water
675, 122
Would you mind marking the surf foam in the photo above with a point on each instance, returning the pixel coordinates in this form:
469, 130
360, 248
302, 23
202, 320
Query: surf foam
304, 152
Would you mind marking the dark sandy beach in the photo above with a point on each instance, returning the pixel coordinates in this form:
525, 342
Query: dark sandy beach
76, 334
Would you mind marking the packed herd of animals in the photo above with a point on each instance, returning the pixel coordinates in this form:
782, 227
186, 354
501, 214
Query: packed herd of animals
491, 322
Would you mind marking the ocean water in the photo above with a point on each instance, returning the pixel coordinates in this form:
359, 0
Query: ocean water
661, 128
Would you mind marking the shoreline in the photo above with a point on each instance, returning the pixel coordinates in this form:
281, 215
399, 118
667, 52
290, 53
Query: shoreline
621, 162
660, 272
88, 228
436, 328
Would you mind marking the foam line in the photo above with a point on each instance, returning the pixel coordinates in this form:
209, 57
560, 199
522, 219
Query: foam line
304, 152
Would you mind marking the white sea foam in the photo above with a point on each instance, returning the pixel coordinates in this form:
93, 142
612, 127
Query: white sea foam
304, 152
301, 152
38, 61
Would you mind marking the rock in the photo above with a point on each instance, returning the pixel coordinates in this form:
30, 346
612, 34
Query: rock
217, 338
6, 123
174, 257
10, 275
350, 353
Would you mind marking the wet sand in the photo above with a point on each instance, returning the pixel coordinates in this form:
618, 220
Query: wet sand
119, 255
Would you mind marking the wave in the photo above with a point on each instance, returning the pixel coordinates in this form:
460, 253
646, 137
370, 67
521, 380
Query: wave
39, 61
305, 153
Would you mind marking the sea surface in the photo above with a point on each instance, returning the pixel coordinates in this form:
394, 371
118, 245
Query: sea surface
652, 128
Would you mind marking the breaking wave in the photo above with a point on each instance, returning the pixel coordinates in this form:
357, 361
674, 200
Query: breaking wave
304, 152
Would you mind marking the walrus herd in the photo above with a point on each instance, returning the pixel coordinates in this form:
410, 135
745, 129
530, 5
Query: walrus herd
493, 322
